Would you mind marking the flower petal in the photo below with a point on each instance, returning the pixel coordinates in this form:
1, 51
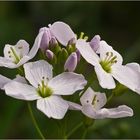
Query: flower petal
87, 53
62, 32
53, 106
104, 48
105, 79
4, 62
96, 99
21, 91
74, 106
119, 112
127, 76
89, 111
36, 45
22, 61
134, 66
37, 71
20, 79
67, 83
21, 49
3, 80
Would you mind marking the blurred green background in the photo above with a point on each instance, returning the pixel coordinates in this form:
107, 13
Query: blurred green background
116, 22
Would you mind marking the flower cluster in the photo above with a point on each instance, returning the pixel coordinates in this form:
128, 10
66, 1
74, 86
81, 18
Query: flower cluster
55, 73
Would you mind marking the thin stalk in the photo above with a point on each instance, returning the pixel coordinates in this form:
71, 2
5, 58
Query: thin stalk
110, 97
34, 122
84, 134
74, 129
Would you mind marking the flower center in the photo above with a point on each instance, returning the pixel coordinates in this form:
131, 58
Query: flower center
109, 60
13, 54
43, 89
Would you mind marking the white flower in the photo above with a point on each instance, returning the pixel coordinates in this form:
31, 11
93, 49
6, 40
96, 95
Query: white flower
46, 89
108, 64
92, 103
15, 56
62, 32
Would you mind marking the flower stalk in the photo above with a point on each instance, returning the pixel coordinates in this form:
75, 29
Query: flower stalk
34, 121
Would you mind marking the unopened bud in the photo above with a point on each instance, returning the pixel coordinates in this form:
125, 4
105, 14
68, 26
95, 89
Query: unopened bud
64, 54
72, 41
49, 54
95, 42
71, 62
53, 42
46, 37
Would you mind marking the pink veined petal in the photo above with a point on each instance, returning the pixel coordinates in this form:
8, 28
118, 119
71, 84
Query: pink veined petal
21, 91
62, 32
53, 106
105, 79
86, 51
67, 83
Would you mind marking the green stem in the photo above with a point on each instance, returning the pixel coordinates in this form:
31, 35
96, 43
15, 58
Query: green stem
84, 134
34, 122
110, 97
74, 129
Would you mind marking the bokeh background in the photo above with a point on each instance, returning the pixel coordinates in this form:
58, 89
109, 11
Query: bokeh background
116, 22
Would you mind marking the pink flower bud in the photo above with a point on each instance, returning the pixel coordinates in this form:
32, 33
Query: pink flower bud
53, 42
46, 37
71, 62
49, 54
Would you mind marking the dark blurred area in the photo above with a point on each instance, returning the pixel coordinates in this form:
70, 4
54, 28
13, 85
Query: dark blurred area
116, 22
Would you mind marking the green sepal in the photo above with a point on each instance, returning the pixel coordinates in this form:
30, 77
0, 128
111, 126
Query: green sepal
62, 55
42, 54
71, 48
54, 60
55, 49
